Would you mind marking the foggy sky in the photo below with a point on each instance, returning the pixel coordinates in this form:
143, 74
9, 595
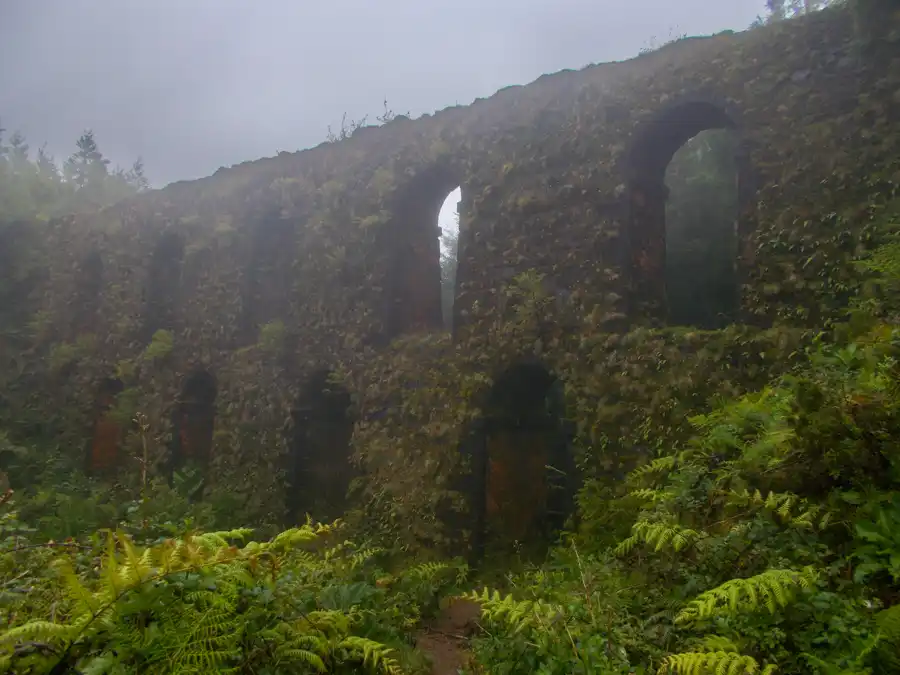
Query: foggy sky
192, 85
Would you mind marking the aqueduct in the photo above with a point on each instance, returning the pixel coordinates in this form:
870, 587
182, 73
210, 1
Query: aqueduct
268, 274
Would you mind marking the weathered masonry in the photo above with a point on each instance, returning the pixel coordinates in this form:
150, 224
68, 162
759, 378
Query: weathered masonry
282, 316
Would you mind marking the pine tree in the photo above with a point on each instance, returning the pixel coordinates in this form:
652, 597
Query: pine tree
135, 176
87, 167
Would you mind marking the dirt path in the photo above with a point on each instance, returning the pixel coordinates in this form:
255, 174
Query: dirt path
445, 640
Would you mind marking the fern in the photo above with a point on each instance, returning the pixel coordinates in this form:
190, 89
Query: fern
789, 508
180, 607
713, 663
888, 649
516, 615
426, 571
371, 653
660, 535
660, 466
773, 589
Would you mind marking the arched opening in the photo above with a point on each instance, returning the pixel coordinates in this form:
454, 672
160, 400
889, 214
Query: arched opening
448, 225
88, 286
320, 469
422, 271
163, 282
268, 281
193, 421
527, 469
685, 196
106, 437
701, 231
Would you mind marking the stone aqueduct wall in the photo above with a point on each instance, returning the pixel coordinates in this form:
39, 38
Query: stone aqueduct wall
562, 177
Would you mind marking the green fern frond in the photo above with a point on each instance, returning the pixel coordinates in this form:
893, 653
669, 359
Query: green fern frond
650, 495
774, 589
361, 557
789, 508
887, 651
516, 615
712, 663
658, 467
717, 643
627, 545
660, 535
426, 571
373, 654
329, 622
43, 631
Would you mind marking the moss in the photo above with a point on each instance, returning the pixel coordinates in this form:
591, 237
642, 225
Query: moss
549, 187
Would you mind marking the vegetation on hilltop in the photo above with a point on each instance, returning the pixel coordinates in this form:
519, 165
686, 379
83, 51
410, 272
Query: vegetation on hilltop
35, 186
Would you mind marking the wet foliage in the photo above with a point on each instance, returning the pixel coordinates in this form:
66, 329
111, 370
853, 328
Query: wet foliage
662, 430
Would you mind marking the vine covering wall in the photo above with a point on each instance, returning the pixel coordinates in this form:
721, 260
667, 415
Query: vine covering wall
271, 272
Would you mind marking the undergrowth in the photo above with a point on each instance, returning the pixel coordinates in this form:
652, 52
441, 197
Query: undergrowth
306, 601
767, 543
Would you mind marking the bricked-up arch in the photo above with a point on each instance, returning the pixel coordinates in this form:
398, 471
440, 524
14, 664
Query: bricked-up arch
414, 273
102, 456
527, 473
162, 285
194, 420
268, 277
655, 143
320, 470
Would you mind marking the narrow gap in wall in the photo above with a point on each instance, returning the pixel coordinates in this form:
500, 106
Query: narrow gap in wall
448, 233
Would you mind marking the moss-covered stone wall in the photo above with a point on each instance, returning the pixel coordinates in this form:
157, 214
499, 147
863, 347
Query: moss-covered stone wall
267, 273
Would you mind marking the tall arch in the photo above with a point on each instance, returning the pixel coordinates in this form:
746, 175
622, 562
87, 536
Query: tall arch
163, 283
194, 421
655, 144
320, 469
102, 456
523, 468
414, 290
269, 275
88, 287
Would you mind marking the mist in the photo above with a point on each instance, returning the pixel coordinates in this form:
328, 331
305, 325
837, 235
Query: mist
193, 86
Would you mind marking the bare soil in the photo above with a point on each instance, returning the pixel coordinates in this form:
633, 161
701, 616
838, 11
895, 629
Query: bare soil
445, 640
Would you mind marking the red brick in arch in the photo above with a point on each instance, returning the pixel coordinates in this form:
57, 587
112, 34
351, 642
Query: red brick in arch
103, 453
522, 438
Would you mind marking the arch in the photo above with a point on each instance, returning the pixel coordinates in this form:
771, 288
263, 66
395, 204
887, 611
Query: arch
102, 456
88, 287
414, 260
702, 212
163, 283
194, 421
448, 233
269, 275
523, 464
320, 470
655, 144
